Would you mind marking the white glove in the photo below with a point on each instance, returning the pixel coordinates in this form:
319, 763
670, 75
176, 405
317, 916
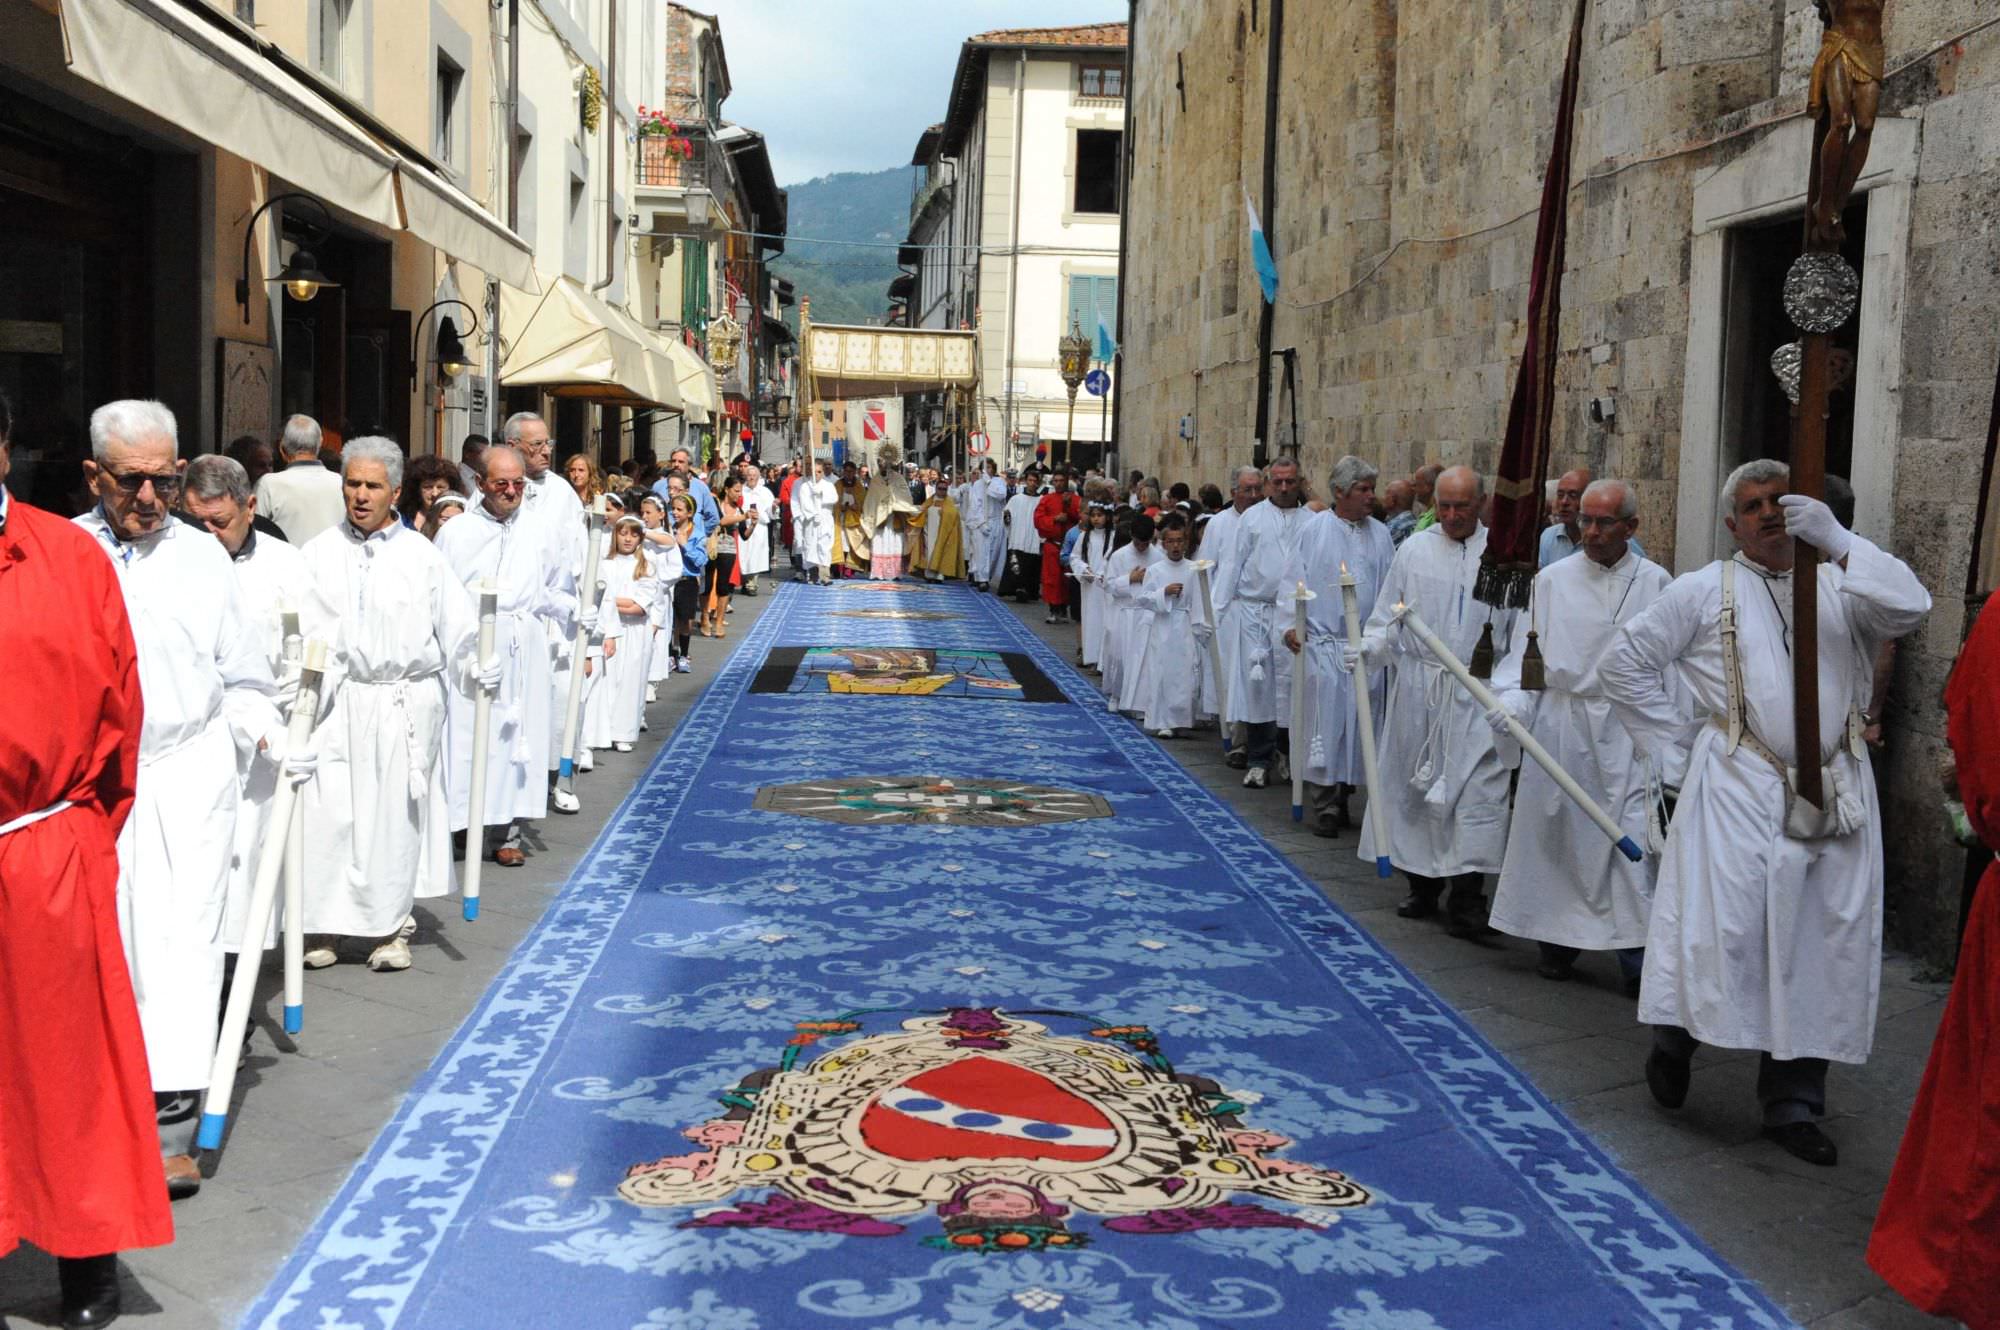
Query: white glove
586, 618
1202, 634
1350, 657
489, 677
299, 767
1813, 522
1498, 718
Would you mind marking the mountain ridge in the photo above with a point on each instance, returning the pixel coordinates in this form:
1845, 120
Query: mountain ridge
867, 213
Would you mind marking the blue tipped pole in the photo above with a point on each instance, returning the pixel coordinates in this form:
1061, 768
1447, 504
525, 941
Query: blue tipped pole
295, 1019
1630, 849
471, 909
210, 1135
566, 769
1383, 868
1298, 812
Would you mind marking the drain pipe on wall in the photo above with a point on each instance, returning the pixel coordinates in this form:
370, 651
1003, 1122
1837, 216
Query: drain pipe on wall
1268, 313
611, 256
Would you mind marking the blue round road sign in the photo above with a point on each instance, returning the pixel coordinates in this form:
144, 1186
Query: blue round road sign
1097, 383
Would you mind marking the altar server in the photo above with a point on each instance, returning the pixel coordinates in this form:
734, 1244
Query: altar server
551, 501
1251, 599
1443, 819
1127, 627
271, 576
1170, 681
1563, 883
1346, 538
401, 633
1767, 923
1087, 564
663, 552
1023, 543
537, 603
813, 500
208, 692
1217, 545
618, 702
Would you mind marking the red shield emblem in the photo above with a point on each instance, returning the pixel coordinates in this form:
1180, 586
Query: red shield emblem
982, 1108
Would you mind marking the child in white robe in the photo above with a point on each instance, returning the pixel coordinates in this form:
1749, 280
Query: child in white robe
664, 554
1124, 647
617, 702
1169, 680
1087, 563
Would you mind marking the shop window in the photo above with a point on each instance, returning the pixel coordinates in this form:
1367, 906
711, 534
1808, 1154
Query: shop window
1097, 161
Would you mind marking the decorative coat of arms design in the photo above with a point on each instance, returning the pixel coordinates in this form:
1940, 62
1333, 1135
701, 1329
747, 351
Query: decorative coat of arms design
1007, 1132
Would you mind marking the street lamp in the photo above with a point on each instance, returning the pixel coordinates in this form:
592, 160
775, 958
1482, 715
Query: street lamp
1074, 352
300, 276
452, 359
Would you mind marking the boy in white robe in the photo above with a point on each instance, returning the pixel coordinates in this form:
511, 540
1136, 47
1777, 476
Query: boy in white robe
1563, 883
402, 632
1766, 930
1171, 676
1127, 628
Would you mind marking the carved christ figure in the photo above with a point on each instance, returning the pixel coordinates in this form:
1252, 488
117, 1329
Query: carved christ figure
1842, 99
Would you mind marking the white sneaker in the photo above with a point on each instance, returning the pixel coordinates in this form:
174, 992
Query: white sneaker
319, 957
621, 747
1254, 779
652, 692
409, 928
564, 801
683, 666
584, 760
391, 955
1163, 734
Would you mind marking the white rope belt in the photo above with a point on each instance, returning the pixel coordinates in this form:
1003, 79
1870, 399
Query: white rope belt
27, 820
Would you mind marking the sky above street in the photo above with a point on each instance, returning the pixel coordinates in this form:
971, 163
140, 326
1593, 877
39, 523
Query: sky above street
848, 85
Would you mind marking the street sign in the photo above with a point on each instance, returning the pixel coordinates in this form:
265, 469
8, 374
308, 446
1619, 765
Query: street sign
1097, 383
978, 444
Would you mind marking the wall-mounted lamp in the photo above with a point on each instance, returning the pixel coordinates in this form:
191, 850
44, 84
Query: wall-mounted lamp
452, 359
300, 277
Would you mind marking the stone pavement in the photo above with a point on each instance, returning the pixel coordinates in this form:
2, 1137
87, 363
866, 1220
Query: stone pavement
304, 1117
1798, 1230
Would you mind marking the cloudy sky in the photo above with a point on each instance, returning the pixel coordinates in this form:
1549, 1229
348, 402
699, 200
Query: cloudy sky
847, 85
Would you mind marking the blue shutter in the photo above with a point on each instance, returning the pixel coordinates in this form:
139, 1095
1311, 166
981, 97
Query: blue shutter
1092, 299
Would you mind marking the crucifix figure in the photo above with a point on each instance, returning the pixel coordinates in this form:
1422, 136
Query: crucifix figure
1846, 88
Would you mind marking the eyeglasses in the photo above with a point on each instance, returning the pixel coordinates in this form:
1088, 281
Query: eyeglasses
129, 483
1606, 522
506, 486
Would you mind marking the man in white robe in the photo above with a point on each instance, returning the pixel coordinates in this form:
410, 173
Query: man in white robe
537, 603
1443, 819
400, 633
753, 550
271, 578
1767, 922
1218, 546
1170, 688
813, 499
1350, 539
551, 502
1023, 545
1563, 884
1127, 626
989, 495
208, 694
1253, 604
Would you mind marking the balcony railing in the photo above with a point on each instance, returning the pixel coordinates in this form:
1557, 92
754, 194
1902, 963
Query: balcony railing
933, 187
661, 165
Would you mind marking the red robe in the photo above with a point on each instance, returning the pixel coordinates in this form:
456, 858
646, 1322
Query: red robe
1055, 514
785, 506
79, 1154
1937, 1233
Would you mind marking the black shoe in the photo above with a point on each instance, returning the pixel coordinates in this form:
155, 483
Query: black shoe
1415, 906
1556, 972
1327, 825
1804, 1140
1668, 1079
1236, 759
89, 1289
1468, 928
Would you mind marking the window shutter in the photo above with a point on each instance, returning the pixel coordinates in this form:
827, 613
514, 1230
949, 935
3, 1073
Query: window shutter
1107, 308
1082, 306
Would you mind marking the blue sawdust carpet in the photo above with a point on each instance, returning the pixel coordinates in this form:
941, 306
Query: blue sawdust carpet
912, 990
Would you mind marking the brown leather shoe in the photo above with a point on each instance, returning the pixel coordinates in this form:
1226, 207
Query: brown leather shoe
509, 856
183, 1177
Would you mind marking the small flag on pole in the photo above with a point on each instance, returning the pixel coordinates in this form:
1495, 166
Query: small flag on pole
1107, 349
1260, 252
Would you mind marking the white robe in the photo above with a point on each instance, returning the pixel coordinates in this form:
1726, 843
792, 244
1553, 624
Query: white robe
668, 569
812, 521
208, 694
536, 602
270, 577
401, 630
1022, 538
1758, 940
1127, 627
1332, 749
551, 501
990, 497
1254, 603
1563, 881
753, 552
1087, 563
1218, 546
1444, 781
618, 703
1170, 677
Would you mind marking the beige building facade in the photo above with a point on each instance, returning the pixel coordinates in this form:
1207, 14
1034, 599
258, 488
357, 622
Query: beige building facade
1410, 145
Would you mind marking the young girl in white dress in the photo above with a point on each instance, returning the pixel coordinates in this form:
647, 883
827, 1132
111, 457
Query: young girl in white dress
617, 703
663, 554
1087, 564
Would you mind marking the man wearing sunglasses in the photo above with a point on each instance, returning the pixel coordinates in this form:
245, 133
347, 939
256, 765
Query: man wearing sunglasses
208, 691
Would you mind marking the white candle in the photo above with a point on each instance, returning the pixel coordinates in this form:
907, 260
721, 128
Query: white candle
1301, 745
1364, 708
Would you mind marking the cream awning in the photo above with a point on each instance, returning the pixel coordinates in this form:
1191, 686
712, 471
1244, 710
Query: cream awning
699, 398
438, 212
850, 362
174, 64
572, 344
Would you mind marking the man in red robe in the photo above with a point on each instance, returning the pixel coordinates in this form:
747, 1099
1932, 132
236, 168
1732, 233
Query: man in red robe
1937, 1233
80, 1171
1058, 511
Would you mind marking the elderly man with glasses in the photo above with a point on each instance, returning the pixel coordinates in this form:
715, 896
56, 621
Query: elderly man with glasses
208, 692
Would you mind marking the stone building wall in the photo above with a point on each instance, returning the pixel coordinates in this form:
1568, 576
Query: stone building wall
1412, 138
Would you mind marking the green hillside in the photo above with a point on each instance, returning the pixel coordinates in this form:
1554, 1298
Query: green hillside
846, 283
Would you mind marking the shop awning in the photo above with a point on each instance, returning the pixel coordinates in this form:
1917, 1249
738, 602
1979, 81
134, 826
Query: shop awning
184, 70
699, 398
439, 213
572, 344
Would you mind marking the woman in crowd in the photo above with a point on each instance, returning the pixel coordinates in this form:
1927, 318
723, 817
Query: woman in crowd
425, 480
441, 510
720, 580
583, 477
